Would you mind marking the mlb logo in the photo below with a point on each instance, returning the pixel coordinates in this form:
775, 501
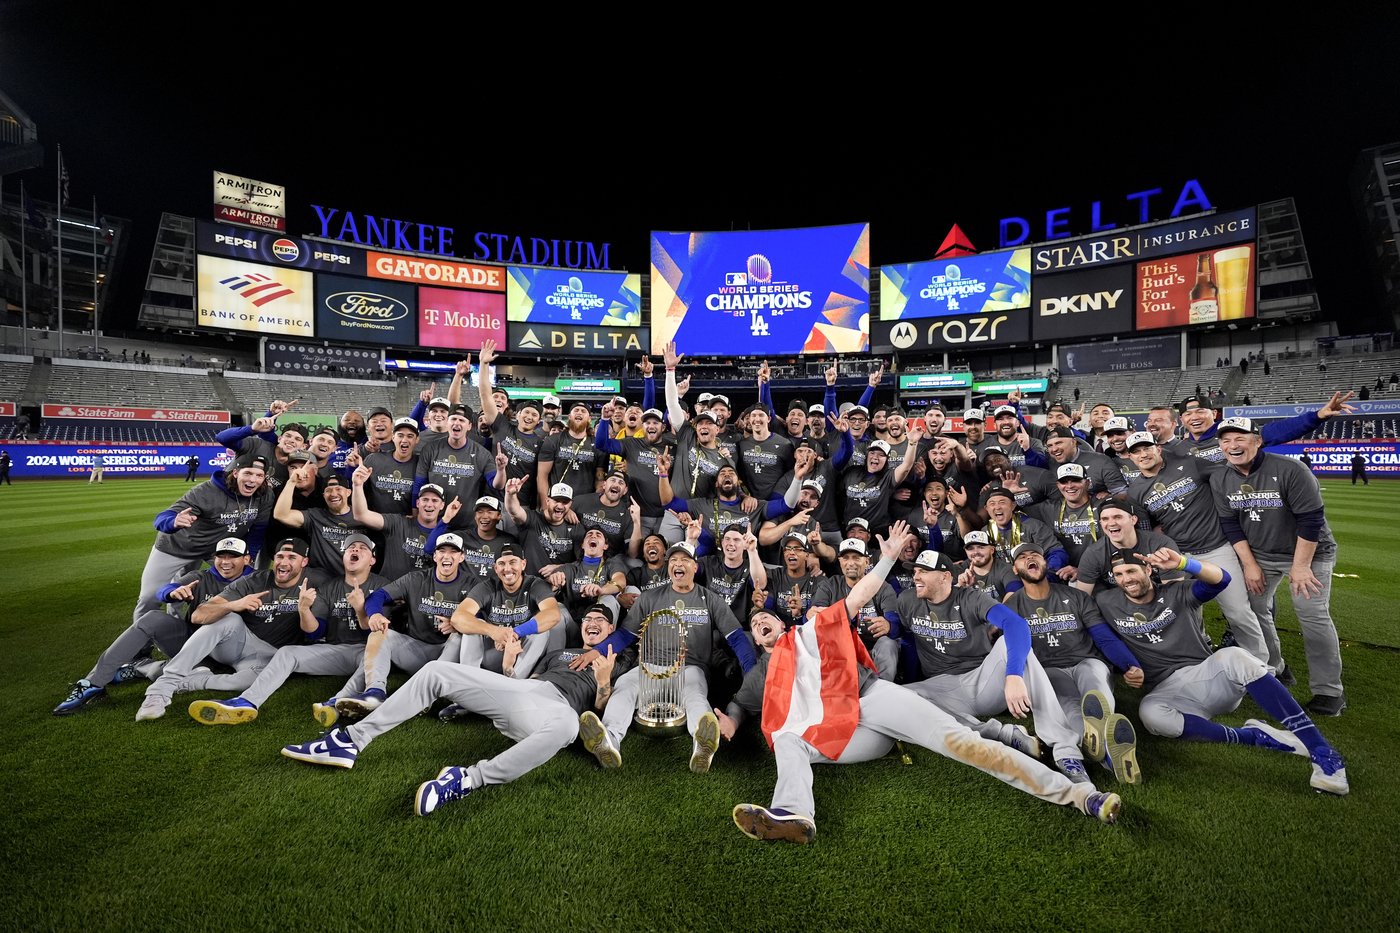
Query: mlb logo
736, 278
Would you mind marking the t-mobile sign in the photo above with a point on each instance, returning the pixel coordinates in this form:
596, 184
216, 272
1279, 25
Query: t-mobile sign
460, 320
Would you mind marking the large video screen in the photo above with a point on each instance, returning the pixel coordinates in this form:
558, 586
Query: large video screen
1196, 288
572, 296
986, 282
762, 292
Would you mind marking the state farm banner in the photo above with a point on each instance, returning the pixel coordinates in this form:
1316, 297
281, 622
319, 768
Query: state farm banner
49, 460
7, 409
111, 413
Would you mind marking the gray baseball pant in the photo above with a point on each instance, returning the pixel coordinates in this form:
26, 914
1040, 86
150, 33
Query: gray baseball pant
695, 694
306, 659
889, 712
1320, 644
1210, 688
167, 631
227, 641
385, 650
532, 712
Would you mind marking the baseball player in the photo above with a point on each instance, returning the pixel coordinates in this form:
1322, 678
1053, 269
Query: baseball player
540, 714
1120, 520
702, 612
1066, 630
1188, 684
876, 713
395, 466
332, 614
971, 677
232, 504
519, 442
1270, 508
482, 540
456, 463
429, 597
571, 457
876, 620
325, 528
736, 572
508, 607
240, 628
985, 569
167, 630
639, 455
405, 536
1177, 495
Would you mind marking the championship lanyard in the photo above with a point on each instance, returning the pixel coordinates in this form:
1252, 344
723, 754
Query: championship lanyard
577, 448
1006, 542
1093, 523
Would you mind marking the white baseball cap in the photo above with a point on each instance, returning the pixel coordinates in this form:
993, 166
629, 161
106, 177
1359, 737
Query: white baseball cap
1140, 437
852, 546
973, 414
1116, 423
231, 546
561, 491
449, 540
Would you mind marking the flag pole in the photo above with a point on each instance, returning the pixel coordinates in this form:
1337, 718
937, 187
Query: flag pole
59, 199
94, 274
24, 269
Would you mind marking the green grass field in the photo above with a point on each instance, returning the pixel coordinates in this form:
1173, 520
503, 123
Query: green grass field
115, 825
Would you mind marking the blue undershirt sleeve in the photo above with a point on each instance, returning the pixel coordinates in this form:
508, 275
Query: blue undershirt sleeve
1017, 632
1112, 646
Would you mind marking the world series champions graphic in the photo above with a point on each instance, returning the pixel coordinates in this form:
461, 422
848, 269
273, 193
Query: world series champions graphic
762, 291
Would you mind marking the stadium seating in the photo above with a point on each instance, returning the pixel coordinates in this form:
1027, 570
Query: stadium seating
95, 383
14, 377
1300, 379
320, 395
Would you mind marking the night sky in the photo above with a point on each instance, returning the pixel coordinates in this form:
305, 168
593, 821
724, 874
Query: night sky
599, 133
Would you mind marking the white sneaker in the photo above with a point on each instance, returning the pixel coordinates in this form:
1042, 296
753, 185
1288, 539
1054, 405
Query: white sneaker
152, 707
597, 741
1281, 736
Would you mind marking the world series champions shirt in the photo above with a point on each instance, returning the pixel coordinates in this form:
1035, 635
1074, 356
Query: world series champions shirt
699, 609
1266, 503
425, 597
332, 606
460, 471
499, 606
1059, 625
951, 636
389, 490
278, 620
1180, 501
578, 688
326, 532
1165, 635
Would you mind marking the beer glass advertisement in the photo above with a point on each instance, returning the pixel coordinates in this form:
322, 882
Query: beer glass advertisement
1196, 288
240, 295
570, 296
365, 311
966, 285
762, 292
1096, 301
460, 320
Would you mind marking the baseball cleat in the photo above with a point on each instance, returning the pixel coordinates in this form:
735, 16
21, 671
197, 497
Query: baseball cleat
82, 695
1103, 806
1283, 740
1286, 677
152, 707
705, 745
1022, 741
1094, 707
1122, 749
232, 712
1323, 704
325, 713
355, 708
1329, 775
452, 711
763, 823
451, 784
1073, 768
596, 740
335, 748
127, 673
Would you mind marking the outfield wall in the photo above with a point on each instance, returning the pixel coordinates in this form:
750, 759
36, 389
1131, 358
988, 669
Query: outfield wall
50, 460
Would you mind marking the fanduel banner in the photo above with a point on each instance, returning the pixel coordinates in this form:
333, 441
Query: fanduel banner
965, 285
35, 461
1388, 407
1121, 355
110, 413
761, 292
1093, 301
559, 296
565, 340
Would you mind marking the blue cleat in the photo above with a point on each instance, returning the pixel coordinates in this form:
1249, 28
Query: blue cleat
774, 823
1103, 806
1073, 768
232, 712
451, 784
355, 708
1122, 749
126, 674
83, 695
1329, 775
335, 748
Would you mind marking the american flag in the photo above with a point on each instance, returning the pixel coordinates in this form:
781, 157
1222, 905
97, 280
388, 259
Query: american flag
62, 180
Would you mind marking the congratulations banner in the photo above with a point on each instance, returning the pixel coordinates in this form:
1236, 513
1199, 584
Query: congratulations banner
762, 292
1333, 458
569, 296
36, 461
967, 285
